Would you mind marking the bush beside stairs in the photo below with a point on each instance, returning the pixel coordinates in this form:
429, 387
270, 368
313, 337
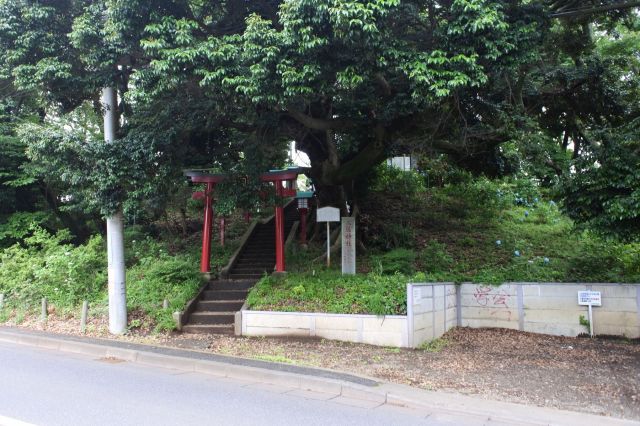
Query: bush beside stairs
222, 298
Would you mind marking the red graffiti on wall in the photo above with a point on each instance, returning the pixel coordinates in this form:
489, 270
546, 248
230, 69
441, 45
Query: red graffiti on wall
489, 297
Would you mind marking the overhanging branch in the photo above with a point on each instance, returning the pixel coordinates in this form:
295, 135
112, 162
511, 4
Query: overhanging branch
598, 9
318, 123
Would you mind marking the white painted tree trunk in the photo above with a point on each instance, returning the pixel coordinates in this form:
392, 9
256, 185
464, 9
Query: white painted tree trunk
115, 232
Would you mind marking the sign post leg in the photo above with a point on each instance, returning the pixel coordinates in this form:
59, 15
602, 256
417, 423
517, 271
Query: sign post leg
328, 247
590, 321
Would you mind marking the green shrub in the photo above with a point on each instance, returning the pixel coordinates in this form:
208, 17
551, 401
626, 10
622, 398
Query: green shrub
629, 257
480, 199
158, 277
396, 261
522, 191
19, 225
391, 179
48, 266
434, 258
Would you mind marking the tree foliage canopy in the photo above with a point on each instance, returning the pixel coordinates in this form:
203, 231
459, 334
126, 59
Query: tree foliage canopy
495, 85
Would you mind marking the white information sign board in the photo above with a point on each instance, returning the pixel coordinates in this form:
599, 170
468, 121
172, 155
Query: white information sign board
328, 214
348, 245
589, 298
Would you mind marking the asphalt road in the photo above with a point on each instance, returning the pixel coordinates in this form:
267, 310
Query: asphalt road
45, 387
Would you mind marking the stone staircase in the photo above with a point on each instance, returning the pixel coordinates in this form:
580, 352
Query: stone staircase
222, 298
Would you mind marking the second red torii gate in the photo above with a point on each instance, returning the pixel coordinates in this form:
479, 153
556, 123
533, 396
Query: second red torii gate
278, 177
284, 182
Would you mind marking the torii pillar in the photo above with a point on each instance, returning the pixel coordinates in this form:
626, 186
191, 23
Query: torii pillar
210, 180
278, 177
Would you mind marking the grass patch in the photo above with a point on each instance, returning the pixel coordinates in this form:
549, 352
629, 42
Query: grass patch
329, 291
435, 345
275, 358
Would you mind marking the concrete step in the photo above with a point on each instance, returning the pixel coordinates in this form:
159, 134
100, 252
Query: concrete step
208, 328
256, 260
211, 318
226, 294
230, 285
238, 276
261, 246
269, 251
219, 305
248, 267
269, 254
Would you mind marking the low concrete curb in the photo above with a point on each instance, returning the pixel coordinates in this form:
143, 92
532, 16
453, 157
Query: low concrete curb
304, 378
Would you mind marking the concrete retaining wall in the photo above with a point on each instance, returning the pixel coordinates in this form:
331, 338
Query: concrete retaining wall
390, 330
431, 311
434, 308
551, 308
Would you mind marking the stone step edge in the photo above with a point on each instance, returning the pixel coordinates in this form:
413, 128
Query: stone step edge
383, 393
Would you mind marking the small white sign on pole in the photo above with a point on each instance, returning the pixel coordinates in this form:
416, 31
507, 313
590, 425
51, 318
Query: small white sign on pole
590, 298
586, 298
348, 245
328, 214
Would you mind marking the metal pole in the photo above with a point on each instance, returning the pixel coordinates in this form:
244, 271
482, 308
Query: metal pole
115, 231
328, 247
1, 301
117, 276
590, 321
165, 304
83, 316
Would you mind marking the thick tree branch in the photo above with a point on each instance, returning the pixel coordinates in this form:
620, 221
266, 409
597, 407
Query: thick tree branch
318, 123
597, 9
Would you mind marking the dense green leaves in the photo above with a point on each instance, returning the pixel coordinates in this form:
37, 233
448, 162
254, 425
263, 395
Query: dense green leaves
492, 85
603, 190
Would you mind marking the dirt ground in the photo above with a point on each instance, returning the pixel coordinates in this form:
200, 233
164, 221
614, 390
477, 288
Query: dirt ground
598, 376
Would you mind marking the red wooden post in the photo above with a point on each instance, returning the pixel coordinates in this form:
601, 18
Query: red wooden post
303, 226
205, 260
279, 228
278, 177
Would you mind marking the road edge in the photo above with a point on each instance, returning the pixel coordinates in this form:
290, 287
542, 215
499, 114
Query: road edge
384, 393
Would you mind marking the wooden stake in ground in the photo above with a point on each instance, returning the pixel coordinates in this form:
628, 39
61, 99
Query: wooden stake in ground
43, 314
83, 316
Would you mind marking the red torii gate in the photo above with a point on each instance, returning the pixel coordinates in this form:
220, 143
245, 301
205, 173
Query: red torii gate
278, 177
210, 180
